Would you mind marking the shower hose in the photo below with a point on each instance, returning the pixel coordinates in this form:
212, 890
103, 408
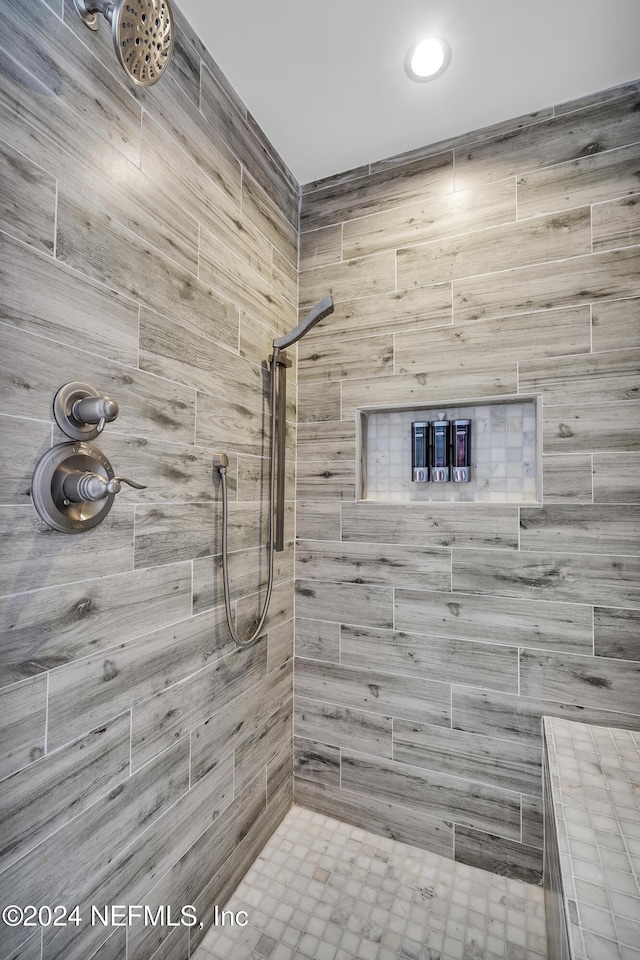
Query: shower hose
221, 462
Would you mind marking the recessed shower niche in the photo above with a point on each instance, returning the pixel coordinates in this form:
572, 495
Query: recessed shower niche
505, 452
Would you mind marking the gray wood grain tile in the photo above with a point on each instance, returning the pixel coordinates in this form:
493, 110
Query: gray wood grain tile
608, 377
67, 67
375, 691
404, 566
280, 773
231, 427
328, 360
263, 745
437, 794
590, 179
43, 296
318, 519
616, 482
576, 578
616, 224
46, 795
54, 136
284, 277
341, 727
253, 476
280, 644
176, 173
28, 200
615, 322
442, 216
193, 824
336, 178
318, 762
46, 628
22, 443
439, 386
219, 735
97, 245
173, 471
552, 333
319, 247
276, 224
576, 280
520, 623
170, 350
164, 718
37, 556
604, 427
592, 528
425, 178
247, 572
104, 828
317, 640
185, 62
567, 479
483, 851
250, 149
30, 949
520, 718
434, 658
329, 479
326, 440
249, 609
471, 138
500, 763
349, 279
385, 819
589, 681
88, 692
600, 96
149, 406
173, 110
498, 248
440, 525
318, 401
404, 310
240, 284
616, 633
532, 822
344, 602
602, 127
24, 717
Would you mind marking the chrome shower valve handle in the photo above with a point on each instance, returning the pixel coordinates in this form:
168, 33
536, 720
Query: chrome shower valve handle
74, 487
81, 412
89, 487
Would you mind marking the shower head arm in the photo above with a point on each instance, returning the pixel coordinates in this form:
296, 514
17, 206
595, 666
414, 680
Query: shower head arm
89, 10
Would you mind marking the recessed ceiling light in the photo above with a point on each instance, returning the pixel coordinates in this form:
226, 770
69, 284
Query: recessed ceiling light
427, 59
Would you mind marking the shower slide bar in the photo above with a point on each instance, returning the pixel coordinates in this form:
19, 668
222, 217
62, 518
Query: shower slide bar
278, 405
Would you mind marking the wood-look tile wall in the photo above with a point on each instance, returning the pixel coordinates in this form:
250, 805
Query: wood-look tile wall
431, 638
148, 245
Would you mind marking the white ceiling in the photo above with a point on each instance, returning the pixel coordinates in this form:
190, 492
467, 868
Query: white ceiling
326, 80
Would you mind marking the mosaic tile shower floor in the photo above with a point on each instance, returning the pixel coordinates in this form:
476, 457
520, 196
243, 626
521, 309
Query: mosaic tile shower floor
323, 890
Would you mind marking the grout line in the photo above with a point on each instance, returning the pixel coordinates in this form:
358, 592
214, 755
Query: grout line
46, 716
130, 711
55, 222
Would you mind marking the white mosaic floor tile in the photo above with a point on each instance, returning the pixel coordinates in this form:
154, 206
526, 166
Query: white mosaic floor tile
393, 902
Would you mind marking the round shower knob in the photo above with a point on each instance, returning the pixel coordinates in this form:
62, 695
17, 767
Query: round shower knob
81, 412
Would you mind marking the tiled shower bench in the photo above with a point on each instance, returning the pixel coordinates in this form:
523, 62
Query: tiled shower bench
592, 841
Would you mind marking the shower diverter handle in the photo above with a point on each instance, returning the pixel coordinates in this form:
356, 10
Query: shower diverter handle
86, 487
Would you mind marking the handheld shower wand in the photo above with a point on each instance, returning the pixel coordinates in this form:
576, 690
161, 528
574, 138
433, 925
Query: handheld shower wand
278, 364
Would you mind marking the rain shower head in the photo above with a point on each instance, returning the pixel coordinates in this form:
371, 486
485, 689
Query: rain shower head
319, 312
142, 32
